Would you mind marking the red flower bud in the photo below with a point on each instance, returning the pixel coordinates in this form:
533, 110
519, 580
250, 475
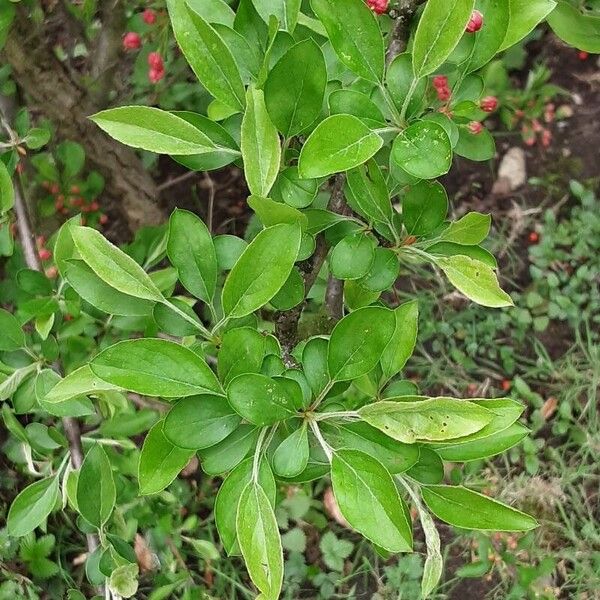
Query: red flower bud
378, 6
94, 206
536, 125
475, 127
546, 138
54, 189
40, 241
506, 385
583, 55
440, 81
155, 75
155, 61
149, 16
132, 41
45, 254
103, 219
51, 272
475, 22
59, 204
489, 104
443, 94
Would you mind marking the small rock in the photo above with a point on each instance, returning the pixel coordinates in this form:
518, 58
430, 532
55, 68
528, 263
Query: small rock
511, 173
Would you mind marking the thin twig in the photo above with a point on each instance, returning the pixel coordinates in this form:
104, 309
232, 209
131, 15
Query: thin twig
211, 200
176, 180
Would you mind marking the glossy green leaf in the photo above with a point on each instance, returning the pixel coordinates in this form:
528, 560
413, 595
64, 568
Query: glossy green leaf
155, 367
488, 40
273, 213
575, 27
402, 343
423, 150
357, 342
295, 88
354, 34
64, 246
213, 11
45, 382
295, 192
471, 229
200, 422
207, 54
10, 385
475, 146
32, 506
429, 469
474, 252
262, 400
424, 207
291, 294
227, 454
191, 251
12, 337
260, 145
228, 498
81, 382
400, 79
160, 461
475, 280
352, 257
427, 419
465, 508
483, 448
259, 540
338, 143
114, 266
96, 492
7, 192
286, 11
383, 272
440, 28
291, 456
524, 15
368, 499
242, 351
261, 270
352, 102
369, 195
153, 129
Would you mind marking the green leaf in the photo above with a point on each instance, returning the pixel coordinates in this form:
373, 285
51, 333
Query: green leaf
260, 145
352, 102
369, 195
123, 580
291, 294
465, 508
260, 541
335, 550
208, 55
272, 213
471, 229
114, 266
400, 79
368, 499
403, 340
352, 256
191, 251
291, 456
295, 88
286, 12
295, 192
575, 27
227, 454
242, 351
395, 456
153, 129
440, 28
160, 461
383, 272
483, 448
9, 385
213, 11
228, 498
200, 422
155, 367
358, 341
32, 506
474, 252
262, 400
423, 150
338, 143
261, 270
524, 16
354, 34
12, 337
475, 146
475, 280
7, 192
424, 207
429, 469
81, 382
101, 295
428, 419
96, 492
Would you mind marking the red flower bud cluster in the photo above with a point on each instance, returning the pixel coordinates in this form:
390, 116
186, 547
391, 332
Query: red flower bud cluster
440, 83
71, 201
149, 16
378, 6
489, 104
133, 41
475, 22
157, 67
475, 127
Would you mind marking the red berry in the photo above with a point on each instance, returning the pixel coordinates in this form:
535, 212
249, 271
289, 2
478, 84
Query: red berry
155, 61
51, 272
475, 127
475, 22
45, 254
506, 385
583, 55
155, 75
489, 104
440, 81
534, 237
378, 6
132, 41
149, 16
103, 219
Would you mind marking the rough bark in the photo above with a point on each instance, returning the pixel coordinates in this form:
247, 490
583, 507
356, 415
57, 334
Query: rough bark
52, 91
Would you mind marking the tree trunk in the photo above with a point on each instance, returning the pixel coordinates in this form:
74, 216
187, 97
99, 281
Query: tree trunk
54, 92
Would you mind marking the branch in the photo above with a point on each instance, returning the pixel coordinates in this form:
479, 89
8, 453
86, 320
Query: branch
402, 15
